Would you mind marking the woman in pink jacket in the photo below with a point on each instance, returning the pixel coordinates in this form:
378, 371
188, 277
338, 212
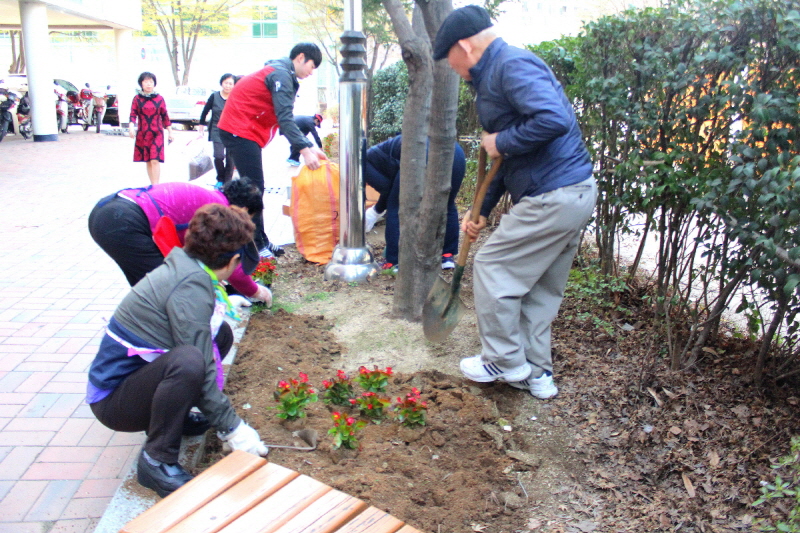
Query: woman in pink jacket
123, 225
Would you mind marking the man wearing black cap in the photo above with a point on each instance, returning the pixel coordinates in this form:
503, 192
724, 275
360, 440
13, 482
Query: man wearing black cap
522, 269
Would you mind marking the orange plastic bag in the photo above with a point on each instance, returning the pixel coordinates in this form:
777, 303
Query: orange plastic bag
315, 211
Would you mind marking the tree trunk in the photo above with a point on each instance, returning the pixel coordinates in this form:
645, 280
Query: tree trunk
423, 195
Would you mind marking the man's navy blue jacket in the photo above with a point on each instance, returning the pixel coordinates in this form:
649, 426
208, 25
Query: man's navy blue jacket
306, 126
538, 135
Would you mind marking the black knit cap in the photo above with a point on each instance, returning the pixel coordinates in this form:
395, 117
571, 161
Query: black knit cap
462, 23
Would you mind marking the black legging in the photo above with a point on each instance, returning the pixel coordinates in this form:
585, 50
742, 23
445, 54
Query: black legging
157, 397
247, 158
122, 230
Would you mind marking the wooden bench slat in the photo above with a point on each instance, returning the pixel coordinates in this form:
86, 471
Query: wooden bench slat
195, 494
275, 511
237, 500
325, 515
373, 520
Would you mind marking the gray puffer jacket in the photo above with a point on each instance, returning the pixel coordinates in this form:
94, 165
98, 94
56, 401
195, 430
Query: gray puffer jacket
171, 307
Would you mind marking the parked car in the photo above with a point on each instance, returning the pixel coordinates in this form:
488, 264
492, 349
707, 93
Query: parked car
185, 106
112, 110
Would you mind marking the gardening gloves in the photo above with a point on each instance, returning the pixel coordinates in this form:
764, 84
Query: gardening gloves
243, 438
264, 294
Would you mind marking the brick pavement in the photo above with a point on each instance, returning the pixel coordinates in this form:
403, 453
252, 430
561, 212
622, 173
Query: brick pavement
59, 467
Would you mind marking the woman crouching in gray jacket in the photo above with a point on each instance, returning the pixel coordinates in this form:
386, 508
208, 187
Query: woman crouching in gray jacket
163, 348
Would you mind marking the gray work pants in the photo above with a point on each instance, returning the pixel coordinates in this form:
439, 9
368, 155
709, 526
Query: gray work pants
521, 271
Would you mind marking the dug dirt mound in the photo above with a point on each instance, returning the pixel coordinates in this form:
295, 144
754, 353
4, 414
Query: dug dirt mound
461, 472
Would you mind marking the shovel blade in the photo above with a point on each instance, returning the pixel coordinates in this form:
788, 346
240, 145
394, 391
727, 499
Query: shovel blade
438, 318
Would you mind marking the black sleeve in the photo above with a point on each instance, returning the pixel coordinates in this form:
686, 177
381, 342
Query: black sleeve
281, 86
316, 137
207, 109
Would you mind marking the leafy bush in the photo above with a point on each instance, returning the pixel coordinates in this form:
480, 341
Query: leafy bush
784, 493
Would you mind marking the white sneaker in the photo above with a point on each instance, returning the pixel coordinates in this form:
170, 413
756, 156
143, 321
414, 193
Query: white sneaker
476, 369
542, 387
371, 217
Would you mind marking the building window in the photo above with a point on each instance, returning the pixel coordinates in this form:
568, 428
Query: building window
265, 21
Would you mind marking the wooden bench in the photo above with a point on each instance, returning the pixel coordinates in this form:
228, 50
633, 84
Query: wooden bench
246, 494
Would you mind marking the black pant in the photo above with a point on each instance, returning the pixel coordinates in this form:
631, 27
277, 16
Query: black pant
157, 397
223, 163
122, 230
247, 158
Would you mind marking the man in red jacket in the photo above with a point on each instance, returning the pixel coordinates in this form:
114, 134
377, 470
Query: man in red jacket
260, 104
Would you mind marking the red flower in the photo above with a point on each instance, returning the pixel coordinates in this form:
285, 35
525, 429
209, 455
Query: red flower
327, 384
303, 378
283, 385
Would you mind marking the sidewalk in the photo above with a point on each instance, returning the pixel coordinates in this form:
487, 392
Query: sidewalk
59, 467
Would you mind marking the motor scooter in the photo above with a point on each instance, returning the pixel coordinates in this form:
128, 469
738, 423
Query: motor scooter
76, 111
62, 108
8, 99
99, 101
24, 116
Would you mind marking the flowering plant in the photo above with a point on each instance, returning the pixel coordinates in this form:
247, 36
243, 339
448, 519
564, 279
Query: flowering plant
266, 271
411, 410
371, 405
293, 396
344, 431
338, 390
374, 380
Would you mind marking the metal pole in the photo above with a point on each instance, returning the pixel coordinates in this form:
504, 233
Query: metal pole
352, 260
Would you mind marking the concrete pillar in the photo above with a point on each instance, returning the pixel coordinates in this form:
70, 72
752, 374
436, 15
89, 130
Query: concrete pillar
40, 77
125, 84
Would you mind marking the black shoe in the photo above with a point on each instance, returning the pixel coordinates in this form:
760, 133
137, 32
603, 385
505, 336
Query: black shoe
160, 477
195, 424
276, 250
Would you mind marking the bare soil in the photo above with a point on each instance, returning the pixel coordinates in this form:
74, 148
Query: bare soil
626, 446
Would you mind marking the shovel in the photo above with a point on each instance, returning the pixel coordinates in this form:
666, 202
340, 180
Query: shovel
443, 308
309, 436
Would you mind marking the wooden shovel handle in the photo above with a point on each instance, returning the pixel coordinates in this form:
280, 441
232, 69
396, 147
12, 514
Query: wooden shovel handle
480, 193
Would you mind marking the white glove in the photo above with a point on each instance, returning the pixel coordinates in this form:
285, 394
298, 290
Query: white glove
244, 438
264, 294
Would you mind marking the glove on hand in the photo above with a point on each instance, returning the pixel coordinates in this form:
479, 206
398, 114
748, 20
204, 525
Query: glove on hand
244, 438
264, 294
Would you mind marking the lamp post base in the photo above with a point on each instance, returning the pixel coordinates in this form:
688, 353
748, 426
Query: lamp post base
351, 265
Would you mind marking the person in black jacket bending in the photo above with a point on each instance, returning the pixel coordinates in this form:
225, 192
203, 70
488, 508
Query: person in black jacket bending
306, 125
522, 269
382, 173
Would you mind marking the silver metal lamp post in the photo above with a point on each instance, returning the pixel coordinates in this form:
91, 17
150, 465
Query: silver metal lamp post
352, 260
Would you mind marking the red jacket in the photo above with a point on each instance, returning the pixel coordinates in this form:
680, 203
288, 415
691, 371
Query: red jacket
262, 102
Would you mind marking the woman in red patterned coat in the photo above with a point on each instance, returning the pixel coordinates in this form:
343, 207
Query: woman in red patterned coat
149, 112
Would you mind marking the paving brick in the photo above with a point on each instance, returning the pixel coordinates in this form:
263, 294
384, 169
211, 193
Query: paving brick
35, 382
35, 424
37, 366
66, 405
80, 362
111, 462
54, 499
83, 411
24, 527
11, 380
80, 525
15, 340
75, 388
76, 341
7, 411
39, 404
72, 432
57, 471
85, 507
10, 361
20, 499
96, 488
71, 454
16, 398
69, 377
97, 435
26, 316
50, 345
127, 439
5, 487
17, 461
26, 438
